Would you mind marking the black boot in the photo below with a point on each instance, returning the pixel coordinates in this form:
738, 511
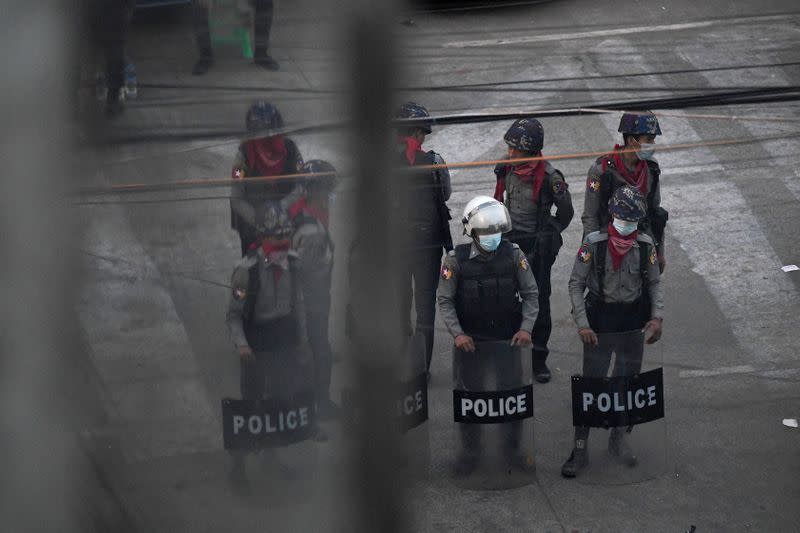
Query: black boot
618, 447
202, 65
579, 457
238, 476
540, 371
115, 104
266, 61
466, 465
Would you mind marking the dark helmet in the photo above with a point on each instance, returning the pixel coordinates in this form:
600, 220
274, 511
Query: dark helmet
273, 222
628, 203
414, 110
526, 134
263, 117
640, 123
316, 166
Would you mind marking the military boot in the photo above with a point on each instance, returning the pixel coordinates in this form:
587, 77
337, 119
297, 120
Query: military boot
238, 475
541, 372
579, 457
618, 447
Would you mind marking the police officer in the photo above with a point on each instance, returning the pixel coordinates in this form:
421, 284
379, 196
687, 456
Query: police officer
480, 287
266, 320
427, 217
270, 155
615, 288
530, 190
629, 164
312, 243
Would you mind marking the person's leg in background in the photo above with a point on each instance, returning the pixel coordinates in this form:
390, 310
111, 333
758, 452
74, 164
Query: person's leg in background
262, 28
543, 326
426, 267
202, 35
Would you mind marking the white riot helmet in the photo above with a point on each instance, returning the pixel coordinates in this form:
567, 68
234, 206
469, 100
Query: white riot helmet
483, 215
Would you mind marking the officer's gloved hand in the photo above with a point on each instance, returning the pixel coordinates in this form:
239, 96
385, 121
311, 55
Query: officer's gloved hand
246, 354
465, 343
521, 338
588, 336
652, 331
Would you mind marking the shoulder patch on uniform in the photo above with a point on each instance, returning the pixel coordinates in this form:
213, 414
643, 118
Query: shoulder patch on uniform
447, 274
593, 183
523, 262
652, 257
584, 254
560, 187
596, 236
237, 173
239, 293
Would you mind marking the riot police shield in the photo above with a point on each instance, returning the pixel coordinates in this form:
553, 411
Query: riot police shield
273, 430
493, 415
406, 408
617, 411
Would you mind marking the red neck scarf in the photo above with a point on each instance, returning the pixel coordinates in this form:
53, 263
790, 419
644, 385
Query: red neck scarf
277, 253
532, 171
637, 178
267, 156
318, 213
412, 147
619, 245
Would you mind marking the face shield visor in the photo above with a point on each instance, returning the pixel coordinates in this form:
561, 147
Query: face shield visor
488, 219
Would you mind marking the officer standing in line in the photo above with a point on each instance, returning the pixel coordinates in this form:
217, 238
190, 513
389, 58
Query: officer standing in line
480, 287
266, 321
312, 243
531, 189
629, 164
270, 155
615, 288
427, 218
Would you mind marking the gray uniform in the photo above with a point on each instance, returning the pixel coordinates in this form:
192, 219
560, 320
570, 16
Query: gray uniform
267, 314
595, 211
448, 287
621, 286
311, 241
525, 212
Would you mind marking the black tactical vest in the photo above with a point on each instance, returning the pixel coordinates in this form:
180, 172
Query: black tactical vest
487, 301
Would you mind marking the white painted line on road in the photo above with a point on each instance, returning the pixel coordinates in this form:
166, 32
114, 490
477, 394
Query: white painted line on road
611, 32
790, 422
742, 369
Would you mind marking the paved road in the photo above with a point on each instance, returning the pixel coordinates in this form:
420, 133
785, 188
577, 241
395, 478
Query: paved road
154, 292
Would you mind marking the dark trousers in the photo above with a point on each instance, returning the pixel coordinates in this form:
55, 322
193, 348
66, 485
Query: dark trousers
109, 23
472, 374
262, 26
541, 267
317, 327
423, 267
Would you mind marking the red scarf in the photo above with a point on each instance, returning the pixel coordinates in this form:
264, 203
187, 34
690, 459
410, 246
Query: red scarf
275, 250
302, 206
619, 245
412, 147
637, 178
267, 156
530, 171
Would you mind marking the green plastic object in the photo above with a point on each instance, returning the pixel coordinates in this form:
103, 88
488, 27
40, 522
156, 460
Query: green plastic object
233, 30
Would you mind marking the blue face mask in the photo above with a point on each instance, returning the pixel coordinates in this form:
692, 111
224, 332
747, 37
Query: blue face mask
624, 227
490, 242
